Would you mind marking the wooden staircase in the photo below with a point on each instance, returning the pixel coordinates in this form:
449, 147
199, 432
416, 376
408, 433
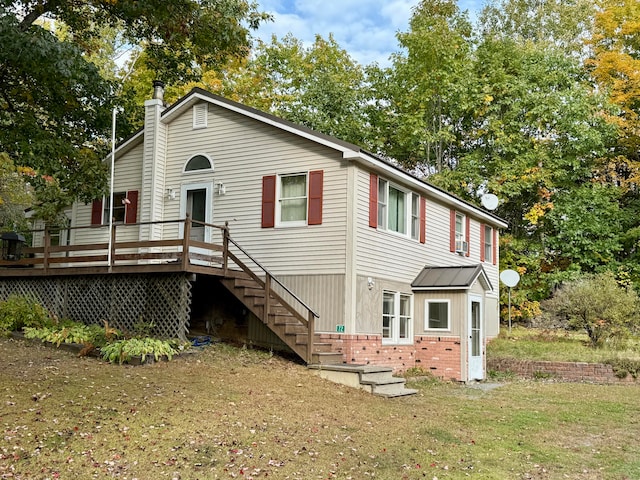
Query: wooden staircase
291, 320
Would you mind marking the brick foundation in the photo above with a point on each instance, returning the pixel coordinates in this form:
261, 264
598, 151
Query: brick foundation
567, 371
438, 355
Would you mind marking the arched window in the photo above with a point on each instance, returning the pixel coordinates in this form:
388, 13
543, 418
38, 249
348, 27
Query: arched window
198, 162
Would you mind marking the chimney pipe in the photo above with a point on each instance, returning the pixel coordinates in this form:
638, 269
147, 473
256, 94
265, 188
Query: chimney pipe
158, 90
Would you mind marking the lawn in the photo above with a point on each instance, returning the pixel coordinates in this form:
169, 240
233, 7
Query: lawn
235, 413
556, 345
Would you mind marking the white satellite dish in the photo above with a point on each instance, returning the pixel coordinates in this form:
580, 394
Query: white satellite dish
510, 278
489, 201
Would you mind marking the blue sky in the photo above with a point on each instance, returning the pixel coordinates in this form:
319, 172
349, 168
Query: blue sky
364, 28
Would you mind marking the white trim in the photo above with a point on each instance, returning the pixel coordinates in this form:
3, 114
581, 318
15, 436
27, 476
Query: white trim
191, 172
427, 301
208, 213
349, 152
479, 374
395, 326
278, 217
200, 112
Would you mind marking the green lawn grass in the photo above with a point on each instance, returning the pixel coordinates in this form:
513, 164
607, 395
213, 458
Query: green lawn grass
236, 413
555, 345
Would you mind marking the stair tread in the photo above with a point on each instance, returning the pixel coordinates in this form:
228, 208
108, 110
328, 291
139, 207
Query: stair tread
384, 381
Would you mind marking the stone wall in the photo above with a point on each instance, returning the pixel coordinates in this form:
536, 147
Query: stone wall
567, 371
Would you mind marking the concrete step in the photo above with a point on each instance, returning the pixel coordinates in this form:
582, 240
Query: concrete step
326, 358
376, 380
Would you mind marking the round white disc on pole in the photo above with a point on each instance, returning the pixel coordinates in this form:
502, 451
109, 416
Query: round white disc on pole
510, 278
489, 201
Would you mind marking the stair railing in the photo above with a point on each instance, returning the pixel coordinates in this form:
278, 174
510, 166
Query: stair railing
311, 315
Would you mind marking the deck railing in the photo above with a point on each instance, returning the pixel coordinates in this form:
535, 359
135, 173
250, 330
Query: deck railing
178, 251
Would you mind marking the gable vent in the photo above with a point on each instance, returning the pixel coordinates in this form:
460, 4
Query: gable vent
200, 115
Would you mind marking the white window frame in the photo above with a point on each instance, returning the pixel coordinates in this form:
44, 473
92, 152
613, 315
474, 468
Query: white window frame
427, 304
395, 319
200, 115
461, 234
279, 199
488, 244
118, 206
200, 170
411, 215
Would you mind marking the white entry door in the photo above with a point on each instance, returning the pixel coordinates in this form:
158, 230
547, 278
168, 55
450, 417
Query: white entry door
475, 345
196, 201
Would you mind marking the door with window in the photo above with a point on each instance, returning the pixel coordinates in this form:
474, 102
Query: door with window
196, 201
475, 345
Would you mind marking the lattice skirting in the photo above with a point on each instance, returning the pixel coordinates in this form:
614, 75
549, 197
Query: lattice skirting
125, 301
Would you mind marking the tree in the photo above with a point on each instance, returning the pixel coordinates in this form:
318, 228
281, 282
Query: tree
15, 194
615, 65
425, 92
319, 86
54, 103
601, 307
564, 24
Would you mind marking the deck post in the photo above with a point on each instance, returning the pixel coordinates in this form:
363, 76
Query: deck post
267, 295
46, 249
112, 246
311, 333
185, 242
225, 248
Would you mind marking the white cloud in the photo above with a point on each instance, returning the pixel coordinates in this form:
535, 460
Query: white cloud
366, 29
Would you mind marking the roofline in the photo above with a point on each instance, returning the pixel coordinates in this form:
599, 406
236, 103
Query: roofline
481, 273
349, 150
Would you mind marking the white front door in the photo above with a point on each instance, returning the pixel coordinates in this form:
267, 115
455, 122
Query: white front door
475, 346
196, 201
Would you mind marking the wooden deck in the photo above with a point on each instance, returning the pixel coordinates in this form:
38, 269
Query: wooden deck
166, 255
272, 301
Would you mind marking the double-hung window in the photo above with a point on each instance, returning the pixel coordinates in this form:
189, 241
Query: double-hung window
119, 207
397, 324
488, 244
460, 234
437, 315
398, 210
293, 198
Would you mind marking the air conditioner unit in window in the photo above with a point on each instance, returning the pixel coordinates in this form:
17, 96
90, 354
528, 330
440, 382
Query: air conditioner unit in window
462, 247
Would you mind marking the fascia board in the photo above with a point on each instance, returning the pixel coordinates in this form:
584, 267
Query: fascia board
458, 204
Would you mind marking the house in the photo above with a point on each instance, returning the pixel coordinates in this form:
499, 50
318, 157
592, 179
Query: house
398, 272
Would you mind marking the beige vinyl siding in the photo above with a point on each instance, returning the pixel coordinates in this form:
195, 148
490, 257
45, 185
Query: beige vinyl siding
410, 256
243, 151
128, 176
459, 304
314, 290
491, 317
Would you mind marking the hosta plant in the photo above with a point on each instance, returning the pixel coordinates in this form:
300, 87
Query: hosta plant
123, 351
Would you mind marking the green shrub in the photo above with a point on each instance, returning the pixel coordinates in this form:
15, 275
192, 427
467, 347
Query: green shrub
597, 304
624, 366
123, 351
20, 311
68, 333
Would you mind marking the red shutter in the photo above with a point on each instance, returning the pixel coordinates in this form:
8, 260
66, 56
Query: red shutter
494, 246
268, 201
96, 212
315, 197
423, 220
452, 230
373, 200
467, 234
131, 209
482, 242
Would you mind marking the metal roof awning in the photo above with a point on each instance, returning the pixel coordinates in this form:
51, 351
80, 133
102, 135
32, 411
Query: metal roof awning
450, 278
